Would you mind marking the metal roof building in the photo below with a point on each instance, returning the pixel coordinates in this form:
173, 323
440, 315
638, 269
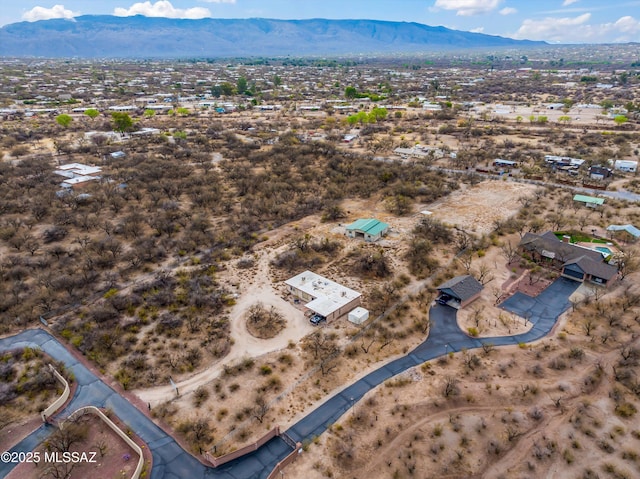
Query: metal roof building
370, 229
589, 200
632, 230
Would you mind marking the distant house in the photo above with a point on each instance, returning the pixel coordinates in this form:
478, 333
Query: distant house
323, 297
565, 162
499, 162
628, 166
574, 262
631, 230
600, 172
370, 229
77, 175
590, 201
459, 291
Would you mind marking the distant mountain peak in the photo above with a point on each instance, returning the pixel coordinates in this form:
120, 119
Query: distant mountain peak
137, 36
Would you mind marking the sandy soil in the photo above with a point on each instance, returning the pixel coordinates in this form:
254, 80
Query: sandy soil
475, 209
119, 460
257, 287
484, 313
504, 422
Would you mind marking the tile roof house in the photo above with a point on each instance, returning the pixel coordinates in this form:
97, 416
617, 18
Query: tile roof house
574, 262
462, 290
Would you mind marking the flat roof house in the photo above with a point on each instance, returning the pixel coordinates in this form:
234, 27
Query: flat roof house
77, 174
323, 296
460, 291
370, 229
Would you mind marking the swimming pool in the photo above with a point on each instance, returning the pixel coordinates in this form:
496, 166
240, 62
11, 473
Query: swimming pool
604, 250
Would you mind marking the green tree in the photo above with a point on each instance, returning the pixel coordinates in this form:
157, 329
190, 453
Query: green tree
122, 122
92, 113
377, 114
350, 92
241, 85
216, 91
564, 119
277, 81
148, 113
623, 78
620, 120
606, 104
227, 89
181, 111
64, 120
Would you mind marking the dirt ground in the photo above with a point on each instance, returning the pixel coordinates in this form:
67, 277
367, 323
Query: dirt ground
118, 460
475, 209
513, 415
484, 313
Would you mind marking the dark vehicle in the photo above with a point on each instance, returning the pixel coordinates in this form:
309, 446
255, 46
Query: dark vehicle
316, 319
444, 299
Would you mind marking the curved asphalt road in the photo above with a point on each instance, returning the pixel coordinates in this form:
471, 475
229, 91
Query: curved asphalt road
170, 461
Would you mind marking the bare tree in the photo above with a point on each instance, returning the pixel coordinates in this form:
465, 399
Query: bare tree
450, 387
260, 408
588, 325
509, 252
484, 274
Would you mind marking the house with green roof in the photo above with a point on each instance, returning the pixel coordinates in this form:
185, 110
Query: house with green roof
370, 229
590, 201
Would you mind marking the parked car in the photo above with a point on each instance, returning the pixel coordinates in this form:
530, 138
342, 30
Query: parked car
316, 319
444, 299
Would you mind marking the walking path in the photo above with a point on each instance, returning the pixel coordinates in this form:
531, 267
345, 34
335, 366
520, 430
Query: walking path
170, 461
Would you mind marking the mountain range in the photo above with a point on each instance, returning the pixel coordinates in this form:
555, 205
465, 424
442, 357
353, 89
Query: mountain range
92, 36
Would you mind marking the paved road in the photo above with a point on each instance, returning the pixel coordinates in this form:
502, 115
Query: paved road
172, 462
618, 194
445, 335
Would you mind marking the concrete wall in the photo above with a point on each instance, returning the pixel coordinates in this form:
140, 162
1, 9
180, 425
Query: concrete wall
219, 461
117, 430
344, 309
57, 404
291, 458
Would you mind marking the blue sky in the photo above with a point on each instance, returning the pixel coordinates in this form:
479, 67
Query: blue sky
564, 21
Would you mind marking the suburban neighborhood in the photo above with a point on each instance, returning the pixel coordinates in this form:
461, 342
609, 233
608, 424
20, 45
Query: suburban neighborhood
420, 266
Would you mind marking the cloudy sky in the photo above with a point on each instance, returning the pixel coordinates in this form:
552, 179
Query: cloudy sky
564, 21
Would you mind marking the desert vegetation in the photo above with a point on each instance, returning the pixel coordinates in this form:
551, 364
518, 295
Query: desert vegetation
169, 264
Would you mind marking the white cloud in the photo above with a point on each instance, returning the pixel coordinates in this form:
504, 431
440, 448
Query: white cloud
42, 13
468, 7
578, 29
477, 30
625, 25
508, 11
551, 29
218, 1
162, 8
566, 3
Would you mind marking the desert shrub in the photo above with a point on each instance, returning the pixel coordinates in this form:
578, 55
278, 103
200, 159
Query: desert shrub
626, 410
200, 395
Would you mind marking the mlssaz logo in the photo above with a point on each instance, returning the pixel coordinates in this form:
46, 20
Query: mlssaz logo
68, 457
